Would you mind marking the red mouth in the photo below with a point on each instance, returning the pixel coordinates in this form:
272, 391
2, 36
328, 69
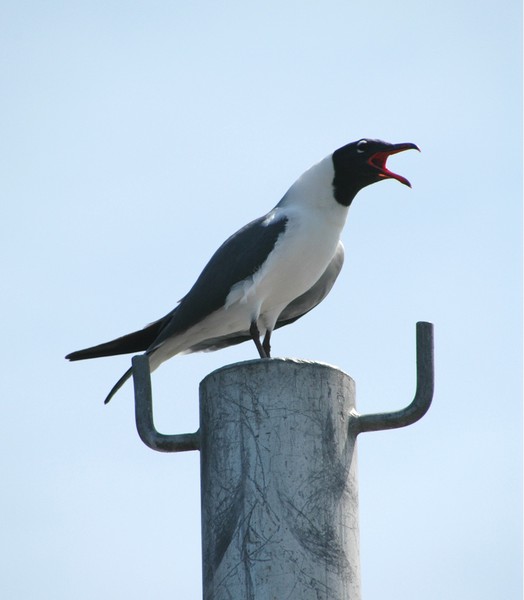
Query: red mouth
378, 161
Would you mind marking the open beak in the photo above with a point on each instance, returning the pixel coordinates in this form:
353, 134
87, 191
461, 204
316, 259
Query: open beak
378, 161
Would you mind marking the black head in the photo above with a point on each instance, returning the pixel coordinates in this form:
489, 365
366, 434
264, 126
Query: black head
362, 163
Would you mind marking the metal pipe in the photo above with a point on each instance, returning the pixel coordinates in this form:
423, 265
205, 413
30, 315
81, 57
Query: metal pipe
144, 414
278, 476
277, 441
423, 395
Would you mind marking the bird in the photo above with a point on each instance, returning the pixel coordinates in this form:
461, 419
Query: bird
271, 272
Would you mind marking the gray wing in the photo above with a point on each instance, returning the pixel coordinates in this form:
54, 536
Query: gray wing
293, 311
239, 257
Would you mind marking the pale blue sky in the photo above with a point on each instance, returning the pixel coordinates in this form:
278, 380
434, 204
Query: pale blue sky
135, 137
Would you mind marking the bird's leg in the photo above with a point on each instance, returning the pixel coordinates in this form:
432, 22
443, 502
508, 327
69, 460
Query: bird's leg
255, 335
266, 345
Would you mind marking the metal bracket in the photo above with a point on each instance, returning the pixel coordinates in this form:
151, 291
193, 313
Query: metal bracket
144, 414
359, 423
423, 395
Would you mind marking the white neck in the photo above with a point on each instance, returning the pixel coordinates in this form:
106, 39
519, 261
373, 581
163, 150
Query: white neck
314, 187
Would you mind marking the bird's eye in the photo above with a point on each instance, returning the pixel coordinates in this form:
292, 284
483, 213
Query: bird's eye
361, 146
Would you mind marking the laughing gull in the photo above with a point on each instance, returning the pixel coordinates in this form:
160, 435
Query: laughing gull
269, 273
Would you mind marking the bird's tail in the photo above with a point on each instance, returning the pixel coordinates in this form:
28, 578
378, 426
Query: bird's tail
119, 384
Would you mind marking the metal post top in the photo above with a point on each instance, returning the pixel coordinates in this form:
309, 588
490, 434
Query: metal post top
268, 364
358, 423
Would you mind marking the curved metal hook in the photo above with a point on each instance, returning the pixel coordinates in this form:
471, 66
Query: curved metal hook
144, 414
423, 395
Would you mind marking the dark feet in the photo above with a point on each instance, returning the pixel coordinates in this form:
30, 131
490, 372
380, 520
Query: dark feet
255, 335
266, 345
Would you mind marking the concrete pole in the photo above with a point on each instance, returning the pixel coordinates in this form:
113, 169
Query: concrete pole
279, 483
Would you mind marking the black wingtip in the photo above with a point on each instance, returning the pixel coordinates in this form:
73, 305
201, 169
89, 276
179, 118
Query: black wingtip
137, 341
94, 352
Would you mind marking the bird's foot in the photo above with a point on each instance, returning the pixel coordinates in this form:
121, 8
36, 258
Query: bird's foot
255, 335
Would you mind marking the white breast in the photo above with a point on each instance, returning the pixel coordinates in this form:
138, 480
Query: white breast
302, 253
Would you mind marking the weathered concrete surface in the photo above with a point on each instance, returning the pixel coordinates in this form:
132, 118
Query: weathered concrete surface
279, 489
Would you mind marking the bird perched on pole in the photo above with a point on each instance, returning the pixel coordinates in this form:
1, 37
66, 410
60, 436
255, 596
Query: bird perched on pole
269, 273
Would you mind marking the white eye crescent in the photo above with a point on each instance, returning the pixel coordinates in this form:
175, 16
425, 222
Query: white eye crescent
361, 146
